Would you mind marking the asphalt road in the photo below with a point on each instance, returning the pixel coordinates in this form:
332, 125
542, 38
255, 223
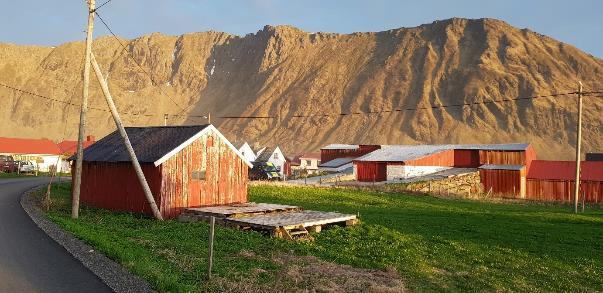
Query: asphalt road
30, 261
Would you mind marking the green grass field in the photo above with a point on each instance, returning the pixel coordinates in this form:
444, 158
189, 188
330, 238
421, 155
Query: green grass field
434, 244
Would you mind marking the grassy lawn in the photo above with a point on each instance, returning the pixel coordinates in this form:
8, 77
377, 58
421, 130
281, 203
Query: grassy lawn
433, 244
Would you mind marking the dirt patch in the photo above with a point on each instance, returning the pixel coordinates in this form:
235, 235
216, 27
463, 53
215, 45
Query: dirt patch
310, 274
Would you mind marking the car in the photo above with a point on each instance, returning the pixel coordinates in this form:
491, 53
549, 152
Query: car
264, 171
7, 164
26, 167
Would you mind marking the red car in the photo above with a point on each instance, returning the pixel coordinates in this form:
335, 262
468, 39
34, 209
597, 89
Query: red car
7, 164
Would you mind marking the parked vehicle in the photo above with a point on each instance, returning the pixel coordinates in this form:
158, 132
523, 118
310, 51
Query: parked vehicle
26, 167
264, 171
7, 164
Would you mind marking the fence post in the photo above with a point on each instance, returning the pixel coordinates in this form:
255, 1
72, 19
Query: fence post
210, 254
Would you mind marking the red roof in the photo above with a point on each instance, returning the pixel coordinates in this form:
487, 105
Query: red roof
315, 156
28, 146
70, 146
565, 170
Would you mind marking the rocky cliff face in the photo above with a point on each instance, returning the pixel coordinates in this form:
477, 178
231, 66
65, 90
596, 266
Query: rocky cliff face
283, 71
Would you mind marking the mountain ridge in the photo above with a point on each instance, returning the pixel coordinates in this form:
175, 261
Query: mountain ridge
283, 71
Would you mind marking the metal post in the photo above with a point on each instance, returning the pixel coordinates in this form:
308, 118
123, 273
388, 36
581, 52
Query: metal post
75, 191
210, 253
578, 145
126, 140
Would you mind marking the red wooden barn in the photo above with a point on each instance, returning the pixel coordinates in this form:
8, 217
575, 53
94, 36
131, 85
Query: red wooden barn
185, 166
405, 161
336, 151
555, 181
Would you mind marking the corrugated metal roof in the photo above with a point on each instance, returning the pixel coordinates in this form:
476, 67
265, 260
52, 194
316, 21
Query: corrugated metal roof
336, 146
565, 170
502, 167
493, 147
336, 163
401, 153
150, 143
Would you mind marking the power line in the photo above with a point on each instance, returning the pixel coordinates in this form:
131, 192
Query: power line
136, 62
97, 8
591, 94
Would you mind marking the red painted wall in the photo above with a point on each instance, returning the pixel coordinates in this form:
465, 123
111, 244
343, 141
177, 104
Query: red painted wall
506, 183
371, 171
331, 154
115, 186
442, 159
466, 158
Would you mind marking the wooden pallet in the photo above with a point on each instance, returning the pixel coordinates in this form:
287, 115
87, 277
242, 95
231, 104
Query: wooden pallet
289, 222
242, 210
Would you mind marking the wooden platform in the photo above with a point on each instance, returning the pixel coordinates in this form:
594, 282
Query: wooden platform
277, 220
242, 210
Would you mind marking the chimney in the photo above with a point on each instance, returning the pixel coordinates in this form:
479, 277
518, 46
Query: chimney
90, 138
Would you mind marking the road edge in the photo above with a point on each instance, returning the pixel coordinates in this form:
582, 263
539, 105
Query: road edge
114, 275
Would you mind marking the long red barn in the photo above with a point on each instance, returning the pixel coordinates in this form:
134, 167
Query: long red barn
185, 166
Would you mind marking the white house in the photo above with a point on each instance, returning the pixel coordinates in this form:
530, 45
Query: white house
273, 155
44, 153
247, 152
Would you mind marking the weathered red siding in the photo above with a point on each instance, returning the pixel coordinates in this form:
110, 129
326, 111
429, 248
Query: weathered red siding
225, 177
331, 154
506, 183
524, 157
371, 171
466, 158
115, 186
563, 190
442, 159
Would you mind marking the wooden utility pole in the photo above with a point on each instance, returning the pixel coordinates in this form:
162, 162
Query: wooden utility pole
124, 136
209, 118
75, 191
578, 145
165, 117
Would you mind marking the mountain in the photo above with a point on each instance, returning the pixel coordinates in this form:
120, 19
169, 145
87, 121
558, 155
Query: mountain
283, 72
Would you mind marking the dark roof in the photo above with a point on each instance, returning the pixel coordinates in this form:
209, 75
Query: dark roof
264, 156
335, 163
150, 143
594, 156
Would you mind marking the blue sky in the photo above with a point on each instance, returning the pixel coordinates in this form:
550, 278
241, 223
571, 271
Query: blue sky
577, 22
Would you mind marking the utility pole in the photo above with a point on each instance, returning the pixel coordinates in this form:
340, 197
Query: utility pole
165, 117
75, 191
126, 140
578, 145
208, 118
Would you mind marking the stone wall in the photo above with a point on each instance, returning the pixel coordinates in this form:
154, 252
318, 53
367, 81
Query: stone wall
467, 185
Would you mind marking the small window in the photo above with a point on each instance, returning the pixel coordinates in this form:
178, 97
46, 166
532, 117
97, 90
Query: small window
199, 175
276, 156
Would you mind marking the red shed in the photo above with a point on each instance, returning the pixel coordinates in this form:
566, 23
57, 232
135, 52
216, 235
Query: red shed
504, 180
185, 166
555, 181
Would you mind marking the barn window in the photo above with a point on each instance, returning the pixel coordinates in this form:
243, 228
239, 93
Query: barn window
276, 156
199, 175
